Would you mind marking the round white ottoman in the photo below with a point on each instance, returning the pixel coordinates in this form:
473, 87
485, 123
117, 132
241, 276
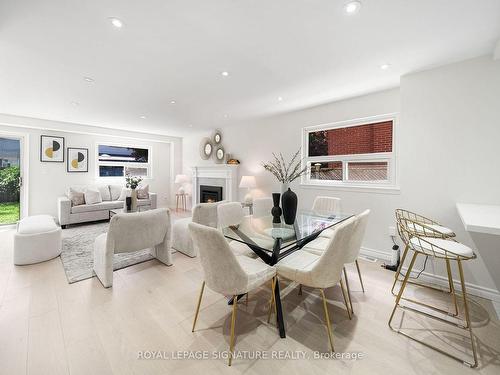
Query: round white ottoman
38, 239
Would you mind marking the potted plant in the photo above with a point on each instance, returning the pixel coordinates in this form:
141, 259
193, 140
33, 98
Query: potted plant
132, 182
286, 173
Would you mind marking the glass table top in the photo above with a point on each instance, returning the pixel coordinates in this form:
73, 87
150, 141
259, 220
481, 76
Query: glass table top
261, 231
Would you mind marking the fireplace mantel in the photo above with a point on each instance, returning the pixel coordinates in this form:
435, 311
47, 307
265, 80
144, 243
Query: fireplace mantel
224, 175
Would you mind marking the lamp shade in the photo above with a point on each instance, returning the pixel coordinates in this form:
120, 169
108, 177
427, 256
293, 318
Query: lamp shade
181, 179
248, 182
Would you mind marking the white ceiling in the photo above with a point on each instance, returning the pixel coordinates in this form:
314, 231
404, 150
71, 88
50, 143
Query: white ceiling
307, 51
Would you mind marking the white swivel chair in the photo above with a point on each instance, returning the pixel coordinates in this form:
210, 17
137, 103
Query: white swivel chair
203, 213
319, 245
325, 270
262, 207
129, 232
224, 272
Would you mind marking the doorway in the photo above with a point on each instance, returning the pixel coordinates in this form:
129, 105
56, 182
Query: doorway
10, 179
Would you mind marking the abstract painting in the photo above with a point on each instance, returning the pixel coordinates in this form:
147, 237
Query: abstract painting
51, 149
78, 160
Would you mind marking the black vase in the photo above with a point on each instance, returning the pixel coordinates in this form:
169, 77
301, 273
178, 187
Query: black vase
128, 201
289, 204
276, 210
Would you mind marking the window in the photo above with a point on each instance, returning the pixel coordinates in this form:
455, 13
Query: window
355, 153
120, 160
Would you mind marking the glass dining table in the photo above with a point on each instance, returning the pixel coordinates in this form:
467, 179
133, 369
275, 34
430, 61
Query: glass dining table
272, 241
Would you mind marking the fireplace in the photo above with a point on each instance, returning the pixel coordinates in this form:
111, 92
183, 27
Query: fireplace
210, 194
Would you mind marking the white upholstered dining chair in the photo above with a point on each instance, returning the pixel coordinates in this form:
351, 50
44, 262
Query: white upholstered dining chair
129, 232
319, 246
225, 272
326, 204
203, 213
325, 270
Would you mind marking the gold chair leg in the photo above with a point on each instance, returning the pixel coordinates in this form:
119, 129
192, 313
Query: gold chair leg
345, 299
359, 275
466, 312
233, 323
272, 305
327, 319
398, 272
452, 287
403, 286
348, 292
300, 289
246, 299
198, 307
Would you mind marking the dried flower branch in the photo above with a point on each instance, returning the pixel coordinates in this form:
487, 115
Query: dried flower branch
286, 172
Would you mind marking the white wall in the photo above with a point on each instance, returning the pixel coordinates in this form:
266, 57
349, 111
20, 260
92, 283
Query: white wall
447, 139
47, 181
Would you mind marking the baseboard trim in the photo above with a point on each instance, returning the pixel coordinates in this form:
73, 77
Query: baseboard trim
476, 290
377, 254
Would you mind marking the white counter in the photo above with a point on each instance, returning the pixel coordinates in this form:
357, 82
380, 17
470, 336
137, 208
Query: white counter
481, 218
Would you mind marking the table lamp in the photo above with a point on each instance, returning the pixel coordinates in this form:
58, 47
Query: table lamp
249, 183
181, 179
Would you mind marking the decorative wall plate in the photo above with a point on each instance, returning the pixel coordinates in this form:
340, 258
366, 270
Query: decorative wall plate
206, 148
219, 154
217, 137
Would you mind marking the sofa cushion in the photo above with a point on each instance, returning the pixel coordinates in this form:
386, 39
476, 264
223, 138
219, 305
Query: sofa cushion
126, 192
115, 191
36, 224
105, 193
92, 196
77, 198
143, 192
97, 207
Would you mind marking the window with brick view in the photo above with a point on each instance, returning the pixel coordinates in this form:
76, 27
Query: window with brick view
361, 139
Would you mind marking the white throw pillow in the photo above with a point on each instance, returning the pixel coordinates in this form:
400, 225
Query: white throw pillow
115, 191
124, 194
92, 196
105, 193
143, 192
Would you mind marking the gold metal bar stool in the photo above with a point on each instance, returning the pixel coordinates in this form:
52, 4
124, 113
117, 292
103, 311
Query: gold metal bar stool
441, 248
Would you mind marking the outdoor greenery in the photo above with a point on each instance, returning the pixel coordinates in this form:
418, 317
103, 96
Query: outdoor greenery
9, 212
9, 184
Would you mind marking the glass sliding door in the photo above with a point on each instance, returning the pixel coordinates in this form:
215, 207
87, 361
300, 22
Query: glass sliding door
10, 179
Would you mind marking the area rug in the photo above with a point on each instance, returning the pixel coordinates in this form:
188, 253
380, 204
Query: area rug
78, 252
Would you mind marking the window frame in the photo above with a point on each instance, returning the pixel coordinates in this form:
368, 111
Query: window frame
124, 164
390, 185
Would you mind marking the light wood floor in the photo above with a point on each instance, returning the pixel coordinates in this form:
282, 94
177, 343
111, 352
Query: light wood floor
50, 327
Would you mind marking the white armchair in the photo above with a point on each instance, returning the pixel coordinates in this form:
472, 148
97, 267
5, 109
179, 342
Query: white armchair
129, 232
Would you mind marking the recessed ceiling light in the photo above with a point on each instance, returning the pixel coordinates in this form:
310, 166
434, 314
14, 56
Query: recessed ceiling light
172, 102
75, 104
190, 126
89, 79
352, 7
143, 117
225, 74
385, 66
280, 99
226, 115
116, 22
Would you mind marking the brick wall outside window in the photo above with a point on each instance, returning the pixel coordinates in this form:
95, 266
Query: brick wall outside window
361, 139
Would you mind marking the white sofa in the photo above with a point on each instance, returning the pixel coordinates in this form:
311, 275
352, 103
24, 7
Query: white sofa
37, 239
69, 214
